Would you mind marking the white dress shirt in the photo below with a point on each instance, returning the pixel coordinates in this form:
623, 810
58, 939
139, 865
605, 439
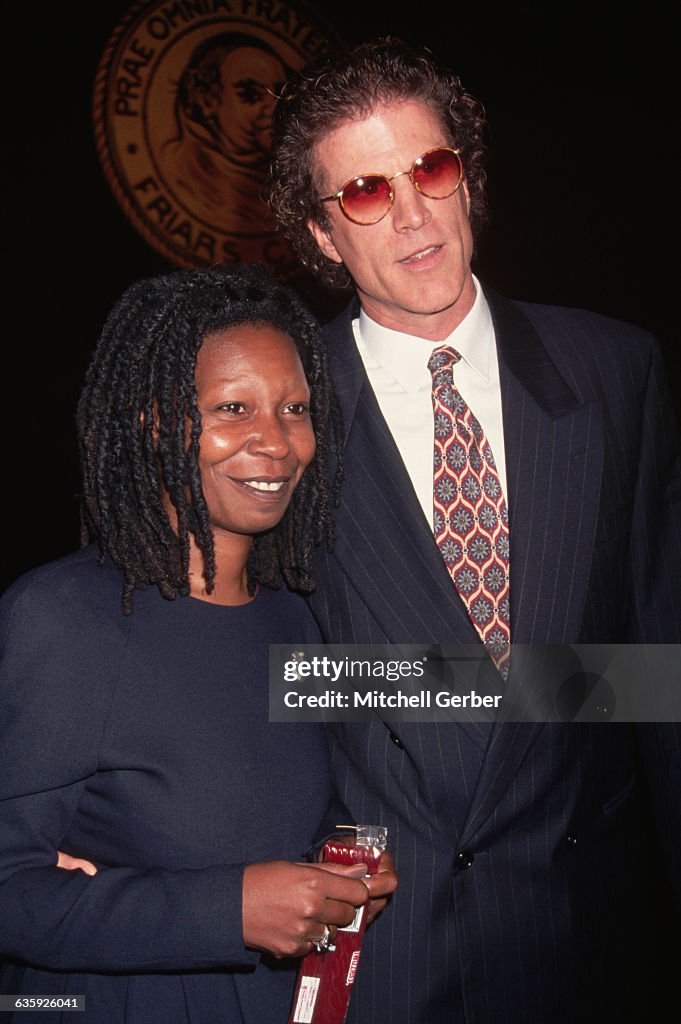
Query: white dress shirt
397, 366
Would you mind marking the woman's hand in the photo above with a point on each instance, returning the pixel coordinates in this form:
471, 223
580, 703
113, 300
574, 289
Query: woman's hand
381, 886
71, 863
286, 905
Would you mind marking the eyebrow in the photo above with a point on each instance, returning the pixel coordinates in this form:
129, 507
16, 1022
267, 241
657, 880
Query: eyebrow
249, 89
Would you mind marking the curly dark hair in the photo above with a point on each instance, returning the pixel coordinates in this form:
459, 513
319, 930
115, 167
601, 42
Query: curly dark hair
345, 85
139, 428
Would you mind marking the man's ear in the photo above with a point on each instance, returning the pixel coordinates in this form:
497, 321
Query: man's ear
467, 194
323, 240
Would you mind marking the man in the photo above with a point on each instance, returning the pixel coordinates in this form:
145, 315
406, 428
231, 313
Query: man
533, 885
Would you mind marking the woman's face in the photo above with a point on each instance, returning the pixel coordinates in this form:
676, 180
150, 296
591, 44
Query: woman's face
256, 433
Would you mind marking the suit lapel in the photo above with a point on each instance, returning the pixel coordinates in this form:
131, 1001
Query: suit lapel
554, 451
384, 539
383, 542
554, 455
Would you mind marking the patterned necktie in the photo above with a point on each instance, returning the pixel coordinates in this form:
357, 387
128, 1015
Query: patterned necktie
470, 517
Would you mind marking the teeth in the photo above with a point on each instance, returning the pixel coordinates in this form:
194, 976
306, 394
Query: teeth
420, 255
264, 485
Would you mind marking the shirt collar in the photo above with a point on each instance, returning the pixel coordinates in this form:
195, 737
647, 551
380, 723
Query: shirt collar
405, 357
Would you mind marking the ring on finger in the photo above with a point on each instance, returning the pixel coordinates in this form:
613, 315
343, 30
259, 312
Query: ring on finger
323, 944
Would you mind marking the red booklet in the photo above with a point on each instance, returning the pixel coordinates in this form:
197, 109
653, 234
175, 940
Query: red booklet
325, 979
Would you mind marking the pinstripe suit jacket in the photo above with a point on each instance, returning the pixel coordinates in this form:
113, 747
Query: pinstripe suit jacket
532, 886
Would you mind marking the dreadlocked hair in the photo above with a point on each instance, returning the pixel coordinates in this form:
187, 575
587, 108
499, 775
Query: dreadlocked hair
139, 428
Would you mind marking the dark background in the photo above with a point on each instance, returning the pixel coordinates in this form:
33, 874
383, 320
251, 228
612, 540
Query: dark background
583, 141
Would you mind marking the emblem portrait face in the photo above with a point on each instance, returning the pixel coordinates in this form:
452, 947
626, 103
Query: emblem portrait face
250, 82
182, 112
217, 158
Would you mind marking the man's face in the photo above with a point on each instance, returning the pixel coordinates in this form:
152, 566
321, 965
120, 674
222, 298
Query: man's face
411, 269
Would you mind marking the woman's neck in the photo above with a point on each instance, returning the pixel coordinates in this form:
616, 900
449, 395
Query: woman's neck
230, 586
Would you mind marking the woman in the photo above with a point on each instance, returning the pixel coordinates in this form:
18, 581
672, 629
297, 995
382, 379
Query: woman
134, 726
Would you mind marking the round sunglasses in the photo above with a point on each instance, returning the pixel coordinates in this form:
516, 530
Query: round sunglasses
367, 198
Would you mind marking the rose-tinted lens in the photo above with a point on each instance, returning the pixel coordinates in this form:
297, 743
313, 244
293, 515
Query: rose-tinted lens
437, 174
367, 199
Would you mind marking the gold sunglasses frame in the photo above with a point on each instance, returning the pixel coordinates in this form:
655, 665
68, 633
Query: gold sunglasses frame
375, 174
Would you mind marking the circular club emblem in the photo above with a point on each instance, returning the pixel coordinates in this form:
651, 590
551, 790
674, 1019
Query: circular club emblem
183, 99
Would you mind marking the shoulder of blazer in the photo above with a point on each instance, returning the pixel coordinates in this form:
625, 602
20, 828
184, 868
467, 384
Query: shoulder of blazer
339, 338
584, 347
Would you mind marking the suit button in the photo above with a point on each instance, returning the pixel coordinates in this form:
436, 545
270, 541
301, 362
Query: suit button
571, 841
396, 740
464, 859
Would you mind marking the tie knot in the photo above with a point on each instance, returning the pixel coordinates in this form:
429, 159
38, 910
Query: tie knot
442, 358
440, 364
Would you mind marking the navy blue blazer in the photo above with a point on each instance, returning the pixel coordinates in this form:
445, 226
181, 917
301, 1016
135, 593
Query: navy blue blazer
142, 743
535, 861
